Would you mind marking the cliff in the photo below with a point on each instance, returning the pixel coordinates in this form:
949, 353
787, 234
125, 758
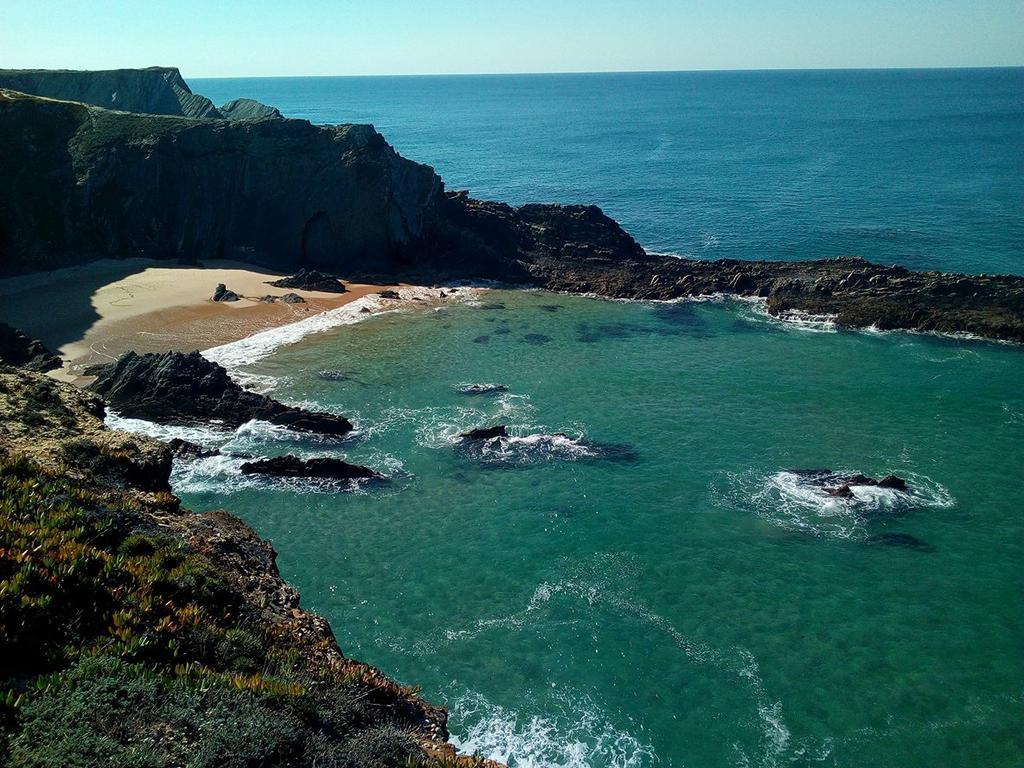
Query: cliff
79, 182
154, 90
135, 632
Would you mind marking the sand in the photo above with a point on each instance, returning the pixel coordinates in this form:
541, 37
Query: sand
93, 313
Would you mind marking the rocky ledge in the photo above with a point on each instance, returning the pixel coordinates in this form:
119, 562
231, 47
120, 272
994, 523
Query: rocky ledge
18, 349
178, 388
173, 630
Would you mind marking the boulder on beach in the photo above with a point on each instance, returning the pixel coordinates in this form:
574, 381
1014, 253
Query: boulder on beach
323, 468
293, 298
223, 294
389, 294
311, 280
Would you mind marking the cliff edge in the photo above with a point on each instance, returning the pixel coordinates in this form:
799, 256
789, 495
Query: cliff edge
135, 632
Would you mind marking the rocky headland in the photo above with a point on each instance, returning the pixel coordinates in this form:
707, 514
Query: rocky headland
82, 182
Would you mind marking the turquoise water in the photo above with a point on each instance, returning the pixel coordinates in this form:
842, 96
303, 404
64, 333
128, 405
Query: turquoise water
923, 168
653, 588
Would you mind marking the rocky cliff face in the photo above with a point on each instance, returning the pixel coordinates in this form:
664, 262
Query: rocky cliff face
154, 90
81, 183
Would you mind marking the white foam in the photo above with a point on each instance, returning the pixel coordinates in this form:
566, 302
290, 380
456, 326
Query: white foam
207, 436
259, 346
577, 734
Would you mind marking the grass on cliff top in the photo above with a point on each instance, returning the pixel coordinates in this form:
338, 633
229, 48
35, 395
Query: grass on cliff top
120, 646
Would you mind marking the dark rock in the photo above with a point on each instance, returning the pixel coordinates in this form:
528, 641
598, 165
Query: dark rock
483, 389
177, 388
485, 433
268, 299
841, 492
185, 449
19, 350
483, 339
364, 310
293, 298
389, 294
324, 468
893, 482
311, 280
223, 294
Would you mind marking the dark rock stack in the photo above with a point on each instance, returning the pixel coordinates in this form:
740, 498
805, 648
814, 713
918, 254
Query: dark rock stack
177, 388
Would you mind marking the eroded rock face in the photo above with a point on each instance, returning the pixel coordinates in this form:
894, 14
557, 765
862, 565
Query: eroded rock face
332, 197
19, 350
324, 468
177, 388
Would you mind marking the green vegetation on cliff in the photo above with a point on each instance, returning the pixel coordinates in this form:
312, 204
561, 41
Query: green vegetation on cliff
135, 633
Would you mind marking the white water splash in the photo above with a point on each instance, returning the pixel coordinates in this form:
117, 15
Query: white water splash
577, 734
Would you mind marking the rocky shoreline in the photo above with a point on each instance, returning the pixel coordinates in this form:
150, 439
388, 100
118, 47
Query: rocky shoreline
341, 200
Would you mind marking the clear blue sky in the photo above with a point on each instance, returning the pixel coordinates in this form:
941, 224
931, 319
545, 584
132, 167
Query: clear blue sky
341, 37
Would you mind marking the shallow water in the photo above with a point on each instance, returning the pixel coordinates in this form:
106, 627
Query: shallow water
654, 588
919, 167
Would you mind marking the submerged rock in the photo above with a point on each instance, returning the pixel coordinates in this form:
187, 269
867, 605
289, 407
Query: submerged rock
178, 388
223, 294
482, 389
311, 280
904, 540
19, 350
485, 433
324, 468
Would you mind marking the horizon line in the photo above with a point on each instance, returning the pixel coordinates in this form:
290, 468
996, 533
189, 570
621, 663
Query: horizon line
614, 72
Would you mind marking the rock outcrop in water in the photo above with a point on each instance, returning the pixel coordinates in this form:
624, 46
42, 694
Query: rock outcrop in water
322, 468
177, 388
79, 182
172, 630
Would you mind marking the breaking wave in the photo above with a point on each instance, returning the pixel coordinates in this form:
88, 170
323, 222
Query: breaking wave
576, 734
788, 500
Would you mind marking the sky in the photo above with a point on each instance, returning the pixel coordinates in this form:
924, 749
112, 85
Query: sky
211, 38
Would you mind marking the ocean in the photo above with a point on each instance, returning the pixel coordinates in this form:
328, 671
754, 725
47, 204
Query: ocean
645, 573
922, 168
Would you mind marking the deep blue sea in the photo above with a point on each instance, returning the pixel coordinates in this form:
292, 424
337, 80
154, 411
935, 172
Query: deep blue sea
640, 576
923, 168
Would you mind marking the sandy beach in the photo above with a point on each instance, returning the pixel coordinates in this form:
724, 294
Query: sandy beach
94, 312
